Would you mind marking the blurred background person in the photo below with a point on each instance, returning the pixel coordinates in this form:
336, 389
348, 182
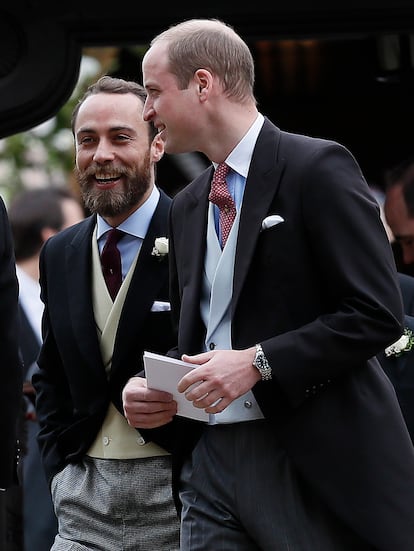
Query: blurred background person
399, 212
397, 360
406, 280
35, 215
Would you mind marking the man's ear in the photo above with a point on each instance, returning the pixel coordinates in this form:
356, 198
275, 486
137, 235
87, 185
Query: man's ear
204, 80
157, 149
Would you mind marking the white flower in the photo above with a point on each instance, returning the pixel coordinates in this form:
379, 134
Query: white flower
404, 344
160, 247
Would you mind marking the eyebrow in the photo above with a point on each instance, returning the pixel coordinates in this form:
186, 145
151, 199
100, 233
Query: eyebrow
112, 129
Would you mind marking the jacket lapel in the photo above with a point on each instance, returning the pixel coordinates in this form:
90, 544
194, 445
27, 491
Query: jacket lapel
78, 270
195, 214
149, 280
150, 276
262, 185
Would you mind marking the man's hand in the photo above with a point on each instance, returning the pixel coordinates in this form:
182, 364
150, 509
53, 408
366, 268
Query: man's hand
223, 376
145, 408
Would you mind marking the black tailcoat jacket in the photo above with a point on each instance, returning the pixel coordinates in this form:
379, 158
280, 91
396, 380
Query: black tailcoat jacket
11, 365
320, 292
72, 389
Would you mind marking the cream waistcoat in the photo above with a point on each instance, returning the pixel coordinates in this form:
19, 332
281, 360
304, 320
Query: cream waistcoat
116, 439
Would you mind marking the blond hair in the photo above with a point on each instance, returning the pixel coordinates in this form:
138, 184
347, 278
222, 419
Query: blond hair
213, 45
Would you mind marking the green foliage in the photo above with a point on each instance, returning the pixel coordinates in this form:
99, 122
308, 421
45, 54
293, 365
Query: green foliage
44, 155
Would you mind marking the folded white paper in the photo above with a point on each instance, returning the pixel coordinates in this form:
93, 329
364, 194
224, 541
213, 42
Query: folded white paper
164, 373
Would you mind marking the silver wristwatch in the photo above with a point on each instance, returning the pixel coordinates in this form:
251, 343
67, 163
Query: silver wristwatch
260, 362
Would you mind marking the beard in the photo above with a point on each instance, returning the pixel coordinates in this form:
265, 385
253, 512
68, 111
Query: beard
118, 200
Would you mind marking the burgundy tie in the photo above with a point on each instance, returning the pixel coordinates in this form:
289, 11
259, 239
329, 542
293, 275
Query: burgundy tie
220, 196
111, 262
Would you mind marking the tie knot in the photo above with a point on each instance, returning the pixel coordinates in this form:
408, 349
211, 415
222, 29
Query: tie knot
221, 172
114, 235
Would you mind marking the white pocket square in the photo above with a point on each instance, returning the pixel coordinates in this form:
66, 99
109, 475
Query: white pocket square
159, 306
272, 220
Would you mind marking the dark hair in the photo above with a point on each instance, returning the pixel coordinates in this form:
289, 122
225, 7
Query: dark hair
399, 172
30, 212
111, 85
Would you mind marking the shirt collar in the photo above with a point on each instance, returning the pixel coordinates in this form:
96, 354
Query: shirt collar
239, 159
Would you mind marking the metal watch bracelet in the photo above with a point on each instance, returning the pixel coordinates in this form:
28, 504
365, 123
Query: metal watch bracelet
260, 362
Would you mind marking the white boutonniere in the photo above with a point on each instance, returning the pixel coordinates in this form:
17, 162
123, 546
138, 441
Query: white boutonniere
160, 249
404, 344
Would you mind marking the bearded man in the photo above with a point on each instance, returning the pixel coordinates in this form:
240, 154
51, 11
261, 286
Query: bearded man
110, 483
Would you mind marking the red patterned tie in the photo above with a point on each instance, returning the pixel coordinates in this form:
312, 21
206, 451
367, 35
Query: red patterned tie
220, 196
111, 262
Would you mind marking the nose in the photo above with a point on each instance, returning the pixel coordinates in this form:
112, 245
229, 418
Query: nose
103, 152
148, 111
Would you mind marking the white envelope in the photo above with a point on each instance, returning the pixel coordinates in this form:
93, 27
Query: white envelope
164, 373
271, 221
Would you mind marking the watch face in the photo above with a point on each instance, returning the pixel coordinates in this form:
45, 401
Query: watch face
261, 363
260, 359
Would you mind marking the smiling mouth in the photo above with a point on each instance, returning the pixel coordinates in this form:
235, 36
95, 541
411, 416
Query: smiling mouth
108, 182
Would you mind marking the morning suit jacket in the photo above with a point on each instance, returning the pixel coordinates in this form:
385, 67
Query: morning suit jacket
320, 292
11, 367
72, 389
